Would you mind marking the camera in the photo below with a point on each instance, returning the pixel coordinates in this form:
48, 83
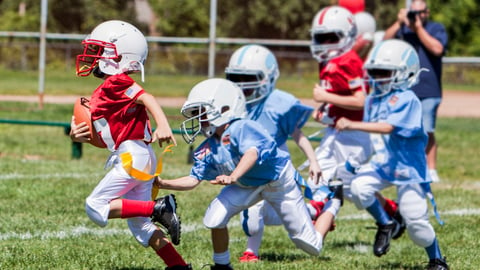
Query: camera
412, 15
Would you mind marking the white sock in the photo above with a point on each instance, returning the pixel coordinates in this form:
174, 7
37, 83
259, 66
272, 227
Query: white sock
254, 242
333, 206
222, 258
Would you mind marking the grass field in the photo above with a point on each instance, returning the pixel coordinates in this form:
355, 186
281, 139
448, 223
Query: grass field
160, 85
43, 224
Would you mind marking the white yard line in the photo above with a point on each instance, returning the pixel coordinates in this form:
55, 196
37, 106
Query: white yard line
186, 228
13, 176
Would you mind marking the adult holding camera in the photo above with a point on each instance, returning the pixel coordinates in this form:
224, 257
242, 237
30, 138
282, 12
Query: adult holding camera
430, 41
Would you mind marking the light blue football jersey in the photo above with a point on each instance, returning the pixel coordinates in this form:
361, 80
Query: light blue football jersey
399, 156
280, 113
220, 156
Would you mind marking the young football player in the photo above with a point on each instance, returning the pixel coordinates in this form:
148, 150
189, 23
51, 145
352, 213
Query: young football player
118, 109
254, 69
341, 93
366, 27
240, 154
393, 114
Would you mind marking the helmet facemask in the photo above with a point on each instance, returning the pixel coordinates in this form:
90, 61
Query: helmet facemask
381, 80
328, 45
93, 51
254, 84
198, 120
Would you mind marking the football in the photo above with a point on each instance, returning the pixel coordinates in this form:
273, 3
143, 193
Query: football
81, 111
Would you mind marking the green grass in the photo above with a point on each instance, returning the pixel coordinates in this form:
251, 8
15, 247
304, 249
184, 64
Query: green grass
43, 224
161, 85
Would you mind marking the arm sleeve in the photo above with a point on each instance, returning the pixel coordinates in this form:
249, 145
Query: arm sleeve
405, 115
295, 117
201, 169
249, 134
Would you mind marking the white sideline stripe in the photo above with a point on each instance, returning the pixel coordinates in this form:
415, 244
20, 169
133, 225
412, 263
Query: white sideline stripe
11, 176
186, 228
79, 231
454, 212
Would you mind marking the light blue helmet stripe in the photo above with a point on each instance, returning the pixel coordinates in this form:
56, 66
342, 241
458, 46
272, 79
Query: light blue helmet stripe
410, 58
375, 50
242, 54
270, 62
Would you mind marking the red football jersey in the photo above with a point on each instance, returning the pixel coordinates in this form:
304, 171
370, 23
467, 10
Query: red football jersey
115, 114
343, 76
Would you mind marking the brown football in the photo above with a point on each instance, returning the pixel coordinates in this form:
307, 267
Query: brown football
81, 111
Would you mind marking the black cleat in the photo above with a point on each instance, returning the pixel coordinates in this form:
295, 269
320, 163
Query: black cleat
164, 212
437, 264
398, 217
336, 188
221, 267
383, 237
180, 267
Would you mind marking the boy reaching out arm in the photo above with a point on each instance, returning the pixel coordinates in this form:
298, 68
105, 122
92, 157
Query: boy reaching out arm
239, 154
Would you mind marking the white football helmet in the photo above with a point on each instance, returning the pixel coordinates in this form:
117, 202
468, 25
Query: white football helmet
366, 25
333, 33
392, 64
254, 69
113, 47
210, 104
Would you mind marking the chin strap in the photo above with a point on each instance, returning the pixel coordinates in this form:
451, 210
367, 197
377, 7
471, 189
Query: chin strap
142, 70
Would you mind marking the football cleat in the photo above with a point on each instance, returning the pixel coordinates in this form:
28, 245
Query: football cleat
180, 267
437, 264
398, 217
249, 256
164, 212
383, 237
336, 188
221, 267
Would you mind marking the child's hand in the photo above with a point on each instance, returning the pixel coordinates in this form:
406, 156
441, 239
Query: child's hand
157, 182
343, 124
224, 180
315, 173
163, 136
319, 93
80, 132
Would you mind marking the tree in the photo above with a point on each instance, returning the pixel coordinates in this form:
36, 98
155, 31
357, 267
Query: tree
274, 19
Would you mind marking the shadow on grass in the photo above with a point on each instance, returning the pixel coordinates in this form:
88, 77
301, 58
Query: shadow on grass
134, 268
399, 265
279, 257
346, 244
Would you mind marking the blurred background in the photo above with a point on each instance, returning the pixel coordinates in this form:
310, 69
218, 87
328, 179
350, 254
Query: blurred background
178, 33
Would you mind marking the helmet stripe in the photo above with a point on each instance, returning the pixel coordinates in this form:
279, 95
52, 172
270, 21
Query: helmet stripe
375, 51
322, 15
243, 53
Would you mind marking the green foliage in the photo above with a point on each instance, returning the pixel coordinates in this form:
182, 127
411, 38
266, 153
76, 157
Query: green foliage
65, 16
461, 19
274, 19
268, 19
186, 18
12, 21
